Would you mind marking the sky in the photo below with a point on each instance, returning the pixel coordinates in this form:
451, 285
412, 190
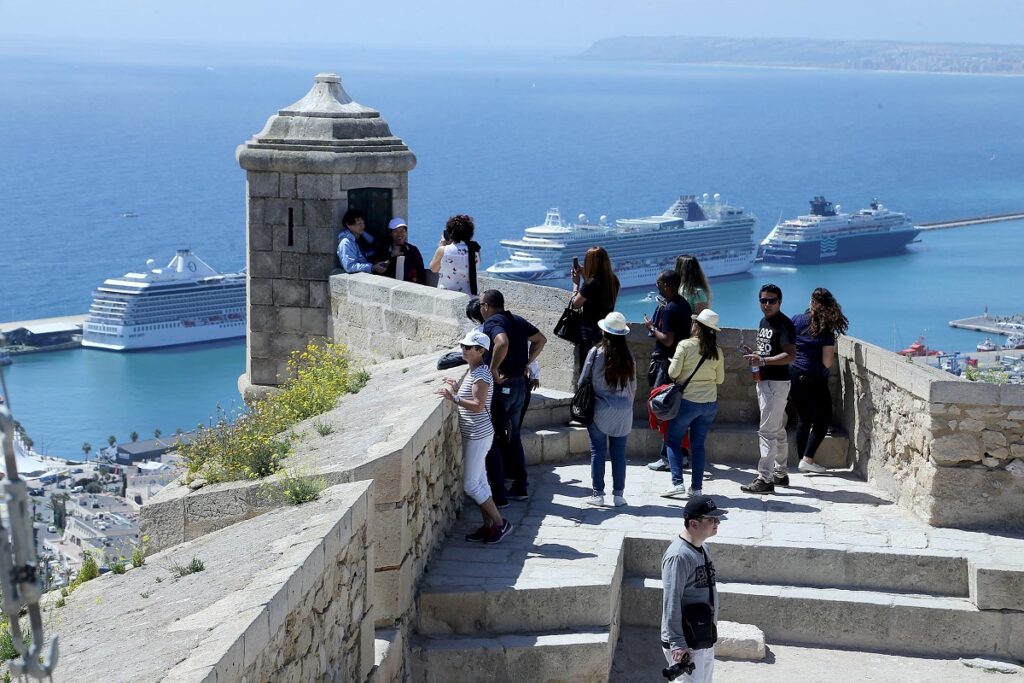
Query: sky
543, 27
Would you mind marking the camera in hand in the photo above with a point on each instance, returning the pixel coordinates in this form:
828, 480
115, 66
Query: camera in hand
679, 668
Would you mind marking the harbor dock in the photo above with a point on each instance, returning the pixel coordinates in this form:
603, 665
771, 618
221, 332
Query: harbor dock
980, 220
1003, 325
64, 319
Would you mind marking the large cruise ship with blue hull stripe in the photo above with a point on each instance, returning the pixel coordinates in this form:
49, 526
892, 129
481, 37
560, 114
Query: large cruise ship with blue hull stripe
827, 235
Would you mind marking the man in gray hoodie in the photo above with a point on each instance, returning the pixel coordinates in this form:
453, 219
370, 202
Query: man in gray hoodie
688, 576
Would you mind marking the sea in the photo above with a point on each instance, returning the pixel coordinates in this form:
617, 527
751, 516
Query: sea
87, 136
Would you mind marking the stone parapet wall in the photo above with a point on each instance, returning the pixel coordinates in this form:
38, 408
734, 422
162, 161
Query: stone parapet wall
381, 318
950, 450
394, 432
285, 598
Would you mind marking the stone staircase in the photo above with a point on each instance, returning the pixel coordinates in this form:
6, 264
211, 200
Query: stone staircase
547, 603
548, 439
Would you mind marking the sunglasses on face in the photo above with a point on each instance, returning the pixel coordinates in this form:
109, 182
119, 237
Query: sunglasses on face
465, 346
769, 302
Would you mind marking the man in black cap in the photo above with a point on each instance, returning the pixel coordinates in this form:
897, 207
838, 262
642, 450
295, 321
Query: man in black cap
688, 577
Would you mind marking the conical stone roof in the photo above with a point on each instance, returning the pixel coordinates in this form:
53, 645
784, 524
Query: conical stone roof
326, 132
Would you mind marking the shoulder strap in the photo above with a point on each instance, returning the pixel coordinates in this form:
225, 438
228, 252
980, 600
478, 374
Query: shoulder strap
699, 363
472, 247
707, 573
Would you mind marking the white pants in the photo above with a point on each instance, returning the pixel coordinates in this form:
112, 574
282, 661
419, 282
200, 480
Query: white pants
474, 478
703, 665
771, 434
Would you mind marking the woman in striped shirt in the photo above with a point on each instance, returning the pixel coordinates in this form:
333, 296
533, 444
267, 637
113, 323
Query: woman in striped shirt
473, 398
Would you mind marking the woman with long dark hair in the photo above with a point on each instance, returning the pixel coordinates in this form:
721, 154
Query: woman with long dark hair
457, 256
816, 331
595, 290
699, 364
693, 285
611, 368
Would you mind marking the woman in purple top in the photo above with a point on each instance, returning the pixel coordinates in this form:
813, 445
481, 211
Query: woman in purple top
816, 331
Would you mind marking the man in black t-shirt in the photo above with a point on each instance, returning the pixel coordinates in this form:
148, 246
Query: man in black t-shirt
671, 324
776, 349
515, 343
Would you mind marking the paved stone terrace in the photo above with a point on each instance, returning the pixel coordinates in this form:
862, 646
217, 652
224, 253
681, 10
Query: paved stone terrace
560, 540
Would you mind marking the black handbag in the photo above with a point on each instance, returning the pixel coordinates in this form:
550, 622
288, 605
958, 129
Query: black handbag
569, 325
699, 627
451, 359
582, 407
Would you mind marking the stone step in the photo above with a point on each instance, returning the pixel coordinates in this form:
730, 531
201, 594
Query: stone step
545, 657
512, 609
547, 407
817, 566
728, 443
852, 619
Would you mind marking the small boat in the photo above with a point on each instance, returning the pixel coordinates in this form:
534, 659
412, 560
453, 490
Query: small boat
129, 214
919, 348
987, 345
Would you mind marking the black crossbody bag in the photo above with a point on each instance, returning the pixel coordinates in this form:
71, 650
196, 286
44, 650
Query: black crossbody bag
699, 627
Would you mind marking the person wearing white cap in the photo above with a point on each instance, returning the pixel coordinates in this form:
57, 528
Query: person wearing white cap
610, 367
406, 262
699, 364
473, 398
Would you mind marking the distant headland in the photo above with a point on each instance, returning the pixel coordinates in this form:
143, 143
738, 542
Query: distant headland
869, 55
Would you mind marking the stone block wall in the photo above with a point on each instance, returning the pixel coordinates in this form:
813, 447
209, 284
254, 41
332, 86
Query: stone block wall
394, 432
286, 597
381, 318
950, 450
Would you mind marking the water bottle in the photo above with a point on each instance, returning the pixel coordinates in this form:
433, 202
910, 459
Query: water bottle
755, 370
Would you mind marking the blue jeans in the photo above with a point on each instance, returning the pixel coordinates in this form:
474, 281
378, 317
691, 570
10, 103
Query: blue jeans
697, 417
507, 453
599, 442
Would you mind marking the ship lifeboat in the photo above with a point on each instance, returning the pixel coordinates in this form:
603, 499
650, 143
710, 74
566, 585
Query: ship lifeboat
215, 319
188, 323
234, 316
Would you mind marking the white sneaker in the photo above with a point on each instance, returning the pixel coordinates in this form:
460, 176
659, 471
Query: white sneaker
618, 501
674, 491
691, 492
805, 466
596, 500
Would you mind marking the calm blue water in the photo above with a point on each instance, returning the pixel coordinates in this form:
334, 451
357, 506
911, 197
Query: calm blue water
502, 139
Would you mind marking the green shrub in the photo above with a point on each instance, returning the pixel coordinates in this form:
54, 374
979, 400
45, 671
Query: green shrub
252, 444
322, 428
138, 556
89, 571
180, 570
298, 489
118, 566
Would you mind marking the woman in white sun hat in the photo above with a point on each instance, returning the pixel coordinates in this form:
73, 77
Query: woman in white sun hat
610, 366
700, 359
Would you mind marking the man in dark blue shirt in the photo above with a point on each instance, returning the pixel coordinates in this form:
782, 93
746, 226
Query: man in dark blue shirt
671, 324
515, 343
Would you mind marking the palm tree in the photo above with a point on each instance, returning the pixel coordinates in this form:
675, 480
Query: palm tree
111, 440
86, 447
157, 433
134, 436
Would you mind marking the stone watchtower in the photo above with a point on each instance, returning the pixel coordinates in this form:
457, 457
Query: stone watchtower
311, 162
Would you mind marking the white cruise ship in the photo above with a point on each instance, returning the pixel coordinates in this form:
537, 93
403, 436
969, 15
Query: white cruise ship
719, 235
185, 302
